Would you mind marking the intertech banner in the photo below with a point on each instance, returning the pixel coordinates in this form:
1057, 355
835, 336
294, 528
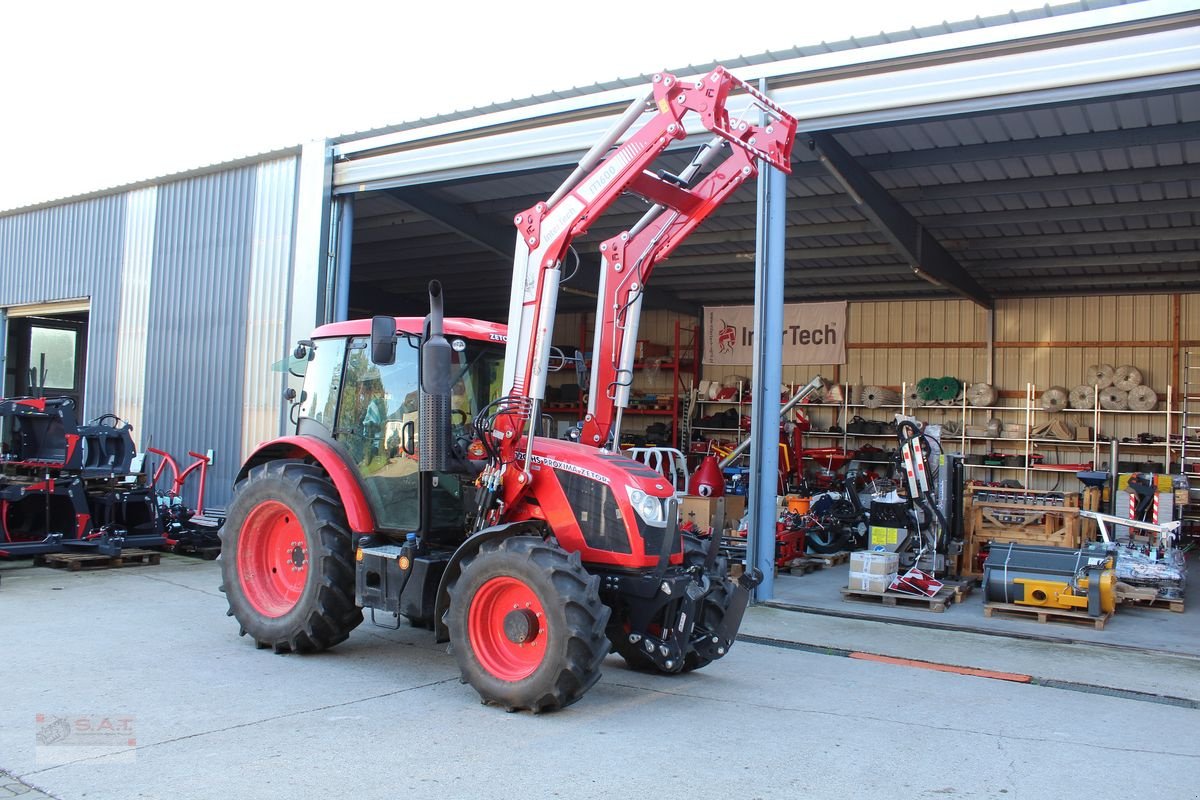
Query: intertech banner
813, 333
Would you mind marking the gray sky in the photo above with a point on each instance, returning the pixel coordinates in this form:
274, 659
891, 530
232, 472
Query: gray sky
98, 94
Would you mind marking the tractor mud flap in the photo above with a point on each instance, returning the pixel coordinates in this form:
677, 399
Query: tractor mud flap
718, 644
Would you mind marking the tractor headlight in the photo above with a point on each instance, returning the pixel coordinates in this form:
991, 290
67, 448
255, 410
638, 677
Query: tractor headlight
649, 508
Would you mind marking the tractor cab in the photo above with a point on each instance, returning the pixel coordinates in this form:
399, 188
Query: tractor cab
370, 411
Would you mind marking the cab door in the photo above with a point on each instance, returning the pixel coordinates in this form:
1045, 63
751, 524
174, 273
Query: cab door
377, 424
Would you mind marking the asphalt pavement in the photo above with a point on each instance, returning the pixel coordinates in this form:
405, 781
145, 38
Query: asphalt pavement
162, 699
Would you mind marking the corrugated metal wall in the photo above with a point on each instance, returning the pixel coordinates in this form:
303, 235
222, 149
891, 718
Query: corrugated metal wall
198, 311
68, 252
189, 284
1043, 341
137, 266
267, 304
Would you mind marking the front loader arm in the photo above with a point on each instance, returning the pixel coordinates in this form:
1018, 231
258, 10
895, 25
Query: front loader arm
546, 231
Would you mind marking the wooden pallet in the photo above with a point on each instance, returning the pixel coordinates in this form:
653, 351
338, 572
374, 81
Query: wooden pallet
74, 562
803, 566
960, 588
830, 559
1161, 603
1145, 597
1046, 614
937, 603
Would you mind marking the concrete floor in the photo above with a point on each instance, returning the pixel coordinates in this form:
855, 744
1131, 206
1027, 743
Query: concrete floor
383, 714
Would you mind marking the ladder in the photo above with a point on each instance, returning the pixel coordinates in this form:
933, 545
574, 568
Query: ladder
1189, 447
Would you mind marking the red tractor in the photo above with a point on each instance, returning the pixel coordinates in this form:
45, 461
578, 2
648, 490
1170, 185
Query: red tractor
417, 482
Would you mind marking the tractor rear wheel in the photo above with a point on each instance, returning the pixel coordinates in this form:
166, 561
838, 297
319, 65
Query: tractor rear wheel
527, 625
287, 563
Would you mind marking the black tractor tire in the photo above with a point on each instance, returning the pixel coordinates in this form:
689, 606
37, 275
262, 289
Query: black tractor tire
823, 542
287, 559
527, 625
712, 612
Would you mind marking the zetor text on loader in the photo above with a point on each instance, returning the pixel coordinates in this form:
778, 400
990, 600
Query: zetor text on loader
416, 482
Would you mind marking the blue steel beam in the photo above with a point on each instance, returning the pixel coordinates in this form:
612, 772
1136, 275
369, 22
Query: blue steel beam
341, 297
767, 375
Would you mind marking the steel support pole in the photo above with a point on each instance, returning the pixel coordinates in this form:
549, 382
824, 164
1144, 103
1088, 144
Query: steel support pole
767, 375
341, 305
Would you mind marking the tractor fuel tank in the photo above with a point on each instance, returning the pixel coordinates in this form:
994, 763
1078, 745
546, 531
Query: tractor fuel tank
393, 578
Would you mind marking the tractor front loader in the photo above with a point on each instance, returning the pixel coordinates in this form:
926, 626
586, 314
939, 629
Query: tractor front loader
416, 482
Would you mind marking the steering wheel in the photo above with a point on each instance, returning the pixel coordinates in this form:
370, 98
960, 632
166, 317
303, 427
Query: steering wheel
458, 412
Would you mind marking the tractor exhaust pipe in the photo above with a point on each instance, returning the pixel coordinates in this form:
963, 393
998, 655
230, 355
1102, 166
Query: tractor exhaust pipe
436, 355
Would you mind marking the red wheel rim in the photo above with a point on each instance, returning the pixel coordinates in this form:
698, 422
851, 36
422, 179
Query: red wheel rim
507, 628
272, 558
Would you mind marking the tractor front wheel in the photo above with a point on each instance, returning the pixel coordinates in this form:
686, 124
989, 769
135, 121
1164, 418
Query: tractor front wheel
527, 625
287, 559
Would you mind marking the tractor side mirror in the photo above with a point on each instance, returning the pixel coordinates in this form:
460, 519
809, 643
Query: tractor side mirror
383, 340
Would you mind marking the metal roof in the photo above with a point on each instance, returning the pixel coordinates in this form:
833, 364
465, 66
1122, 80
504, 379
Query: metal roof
752, 60
1093, 189
1096, 196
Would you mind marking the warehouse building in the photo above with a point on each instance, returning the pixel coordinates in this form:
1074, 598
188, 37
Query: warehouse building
1007, 200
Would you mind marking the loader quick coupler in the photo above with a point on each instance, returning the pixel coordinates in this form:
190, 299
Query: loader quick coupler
662, 612
716, 645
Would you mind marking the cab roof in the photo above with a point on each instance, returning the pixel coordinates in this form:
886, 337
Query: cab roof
455, 326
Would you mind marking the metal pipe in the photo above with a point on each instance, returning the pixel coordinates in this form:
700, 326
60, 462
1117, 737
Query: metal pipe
593, 156
816, 383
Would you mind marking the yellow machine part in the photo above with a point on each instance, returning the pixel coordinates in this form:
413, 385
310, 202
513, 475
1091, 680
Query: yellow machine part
1058, 594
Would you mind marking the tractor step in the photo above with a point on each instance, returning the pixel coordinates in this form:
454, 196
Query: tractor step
74, 562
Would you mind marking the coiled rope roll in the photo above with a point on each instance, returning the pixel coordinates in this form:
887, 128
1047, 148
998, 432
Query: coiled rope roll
981, 394
1054, 399
1099, 375
876, 396
1142, 398
1127, 376
1113, 399
1082, 396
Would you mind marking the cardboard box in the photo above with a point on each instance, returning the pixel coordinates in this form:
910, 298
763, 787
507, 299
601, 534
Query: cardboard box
702, 510
866, 582
1083, 433
647, 349
871, 562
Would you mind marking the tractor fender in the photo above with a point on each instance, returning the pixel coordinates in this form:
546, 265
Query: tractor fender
327, 457
527, 527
